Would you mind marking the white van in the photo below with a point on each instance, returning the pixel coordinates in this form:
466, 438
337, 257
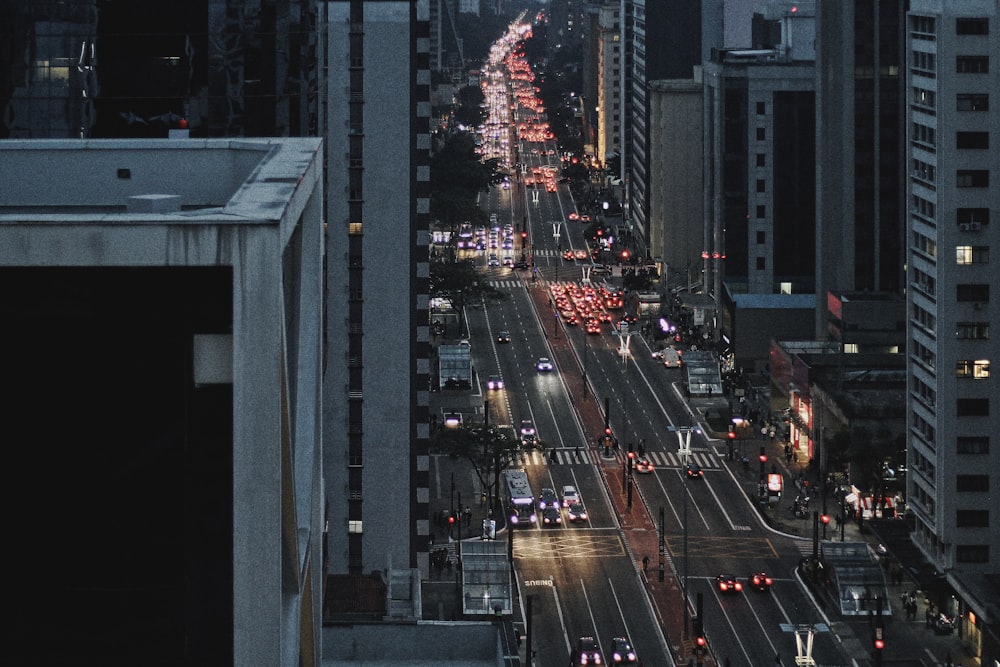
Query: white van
671, 357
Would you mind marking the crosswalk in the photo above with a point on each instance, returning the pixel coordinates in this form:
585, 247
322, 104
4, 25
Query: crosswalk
706, 460
506, 284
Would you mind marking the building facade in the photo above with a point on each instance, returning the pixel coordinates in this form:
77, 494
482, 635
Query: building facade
759, 171
860, 148
610, 66
663, 41
162, 354
952, 196
376, 389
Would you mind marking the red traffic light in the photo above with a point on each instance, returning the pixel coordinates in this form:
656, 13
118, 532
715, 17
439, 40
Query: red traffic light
700, 641
631, 454
607, 430
763, 458
524, 235
825, 518
624, 254
732, 433
451, 519
879, 644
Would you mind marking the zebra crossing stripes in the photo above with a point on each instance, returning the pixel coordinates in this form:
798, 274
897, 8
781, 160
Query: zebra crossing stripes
506, 284
587, 457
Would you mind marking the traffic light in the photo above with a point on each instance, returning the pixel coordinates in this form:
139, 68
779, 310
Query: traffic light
824, 519
879, 644
524, 235
607, 431
763, 455
631, 451
625, 254
698, 629
732, 432
451, 519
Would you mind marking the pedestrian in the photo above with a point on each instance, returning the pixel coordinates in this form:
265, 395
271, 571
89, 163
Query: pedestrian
645, 563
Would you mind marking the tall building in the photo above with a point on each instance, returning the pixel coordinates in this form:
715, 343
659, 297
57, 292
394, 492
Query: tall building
861, 155
85, 69
376, 389
162, 349
610, 59
760, 154
953, 203
663, 41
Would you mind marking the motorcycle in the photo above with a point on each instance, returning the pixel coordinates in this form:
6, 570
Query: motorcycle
800, 507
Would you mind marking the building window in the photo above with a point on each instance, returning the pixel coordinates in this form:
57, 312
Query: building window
761, 134
924, 134
972, 254
760, 108
922, 27
978, 293
972, 26
972, 331
761, 211
924, 98
972, 102
972, 407
760, 237
972, 140
972, 483
972, 64
972, 553
972, 518
973, 216
973, 445
924, 171
761, 185
973, 178
354, 527
354, 228
978, 369
924, 63
923, 207
761, 160
761, 263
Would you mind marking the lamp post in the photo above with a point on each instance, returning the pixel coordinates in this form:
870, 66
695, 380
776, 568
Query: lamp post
684, 449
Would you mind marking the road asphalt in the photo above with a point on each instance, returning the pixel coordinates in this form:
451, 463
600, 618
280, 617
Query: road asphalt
909, 643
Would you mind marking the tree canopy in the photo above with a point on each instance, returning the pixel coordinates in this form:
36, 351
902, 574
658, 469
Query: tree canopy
458, 174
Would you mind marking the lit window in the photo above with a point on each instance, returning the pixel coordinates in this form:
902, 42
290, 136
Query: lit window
354, 527
978, 369
354, 228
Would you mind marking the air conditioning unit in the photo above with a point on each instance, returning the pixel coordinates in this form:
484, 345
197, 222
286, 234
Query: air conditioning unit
975, 226
965, 226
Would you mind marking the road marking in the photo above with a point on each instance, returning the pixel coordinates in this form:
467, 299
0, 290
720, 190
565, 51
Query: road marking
539, 582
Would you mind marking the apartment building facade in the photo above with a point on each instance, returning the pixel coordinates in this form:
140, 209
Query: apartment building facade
952, 207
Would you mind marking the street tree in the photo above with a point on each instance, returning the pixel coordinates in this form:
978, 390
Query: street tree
462, 284
458, 174
489, 450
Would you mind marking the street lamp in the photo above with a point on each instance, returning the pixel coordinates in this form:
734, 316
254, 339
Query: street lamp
684, 449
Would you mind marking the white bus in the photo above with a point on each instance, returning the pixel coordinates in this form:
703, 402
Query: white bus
520, 500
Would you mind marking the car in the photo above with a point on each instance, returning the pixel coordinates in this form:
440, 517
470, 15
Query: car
760, 581
544, 364
493, 260
508, 262
568, 255
453, 420
728, 583
576, 512
694, 471
551, 516
570, 495
527, 427
503, 337
644, 465
622, 653
495, 382
548, 498
587, 652
520, 264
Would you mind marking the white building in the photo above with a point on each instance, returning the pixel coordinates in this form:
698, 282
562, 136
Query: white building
953, 49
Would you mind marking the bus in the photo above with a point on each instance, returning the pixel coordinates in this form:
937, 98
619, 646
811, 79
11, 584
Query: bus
520, 499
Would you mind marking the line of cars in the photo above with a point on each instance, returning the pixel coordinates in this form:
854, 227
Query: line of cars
550, 505
620, 652
758, 581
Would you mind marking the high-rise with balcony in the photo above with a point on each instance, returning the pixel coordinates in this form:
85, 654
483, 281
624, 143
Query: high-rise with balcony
953, 202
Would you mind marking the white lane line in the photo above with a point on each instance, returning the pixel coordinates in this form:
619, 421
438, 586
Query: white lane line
590, 611
562, 619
